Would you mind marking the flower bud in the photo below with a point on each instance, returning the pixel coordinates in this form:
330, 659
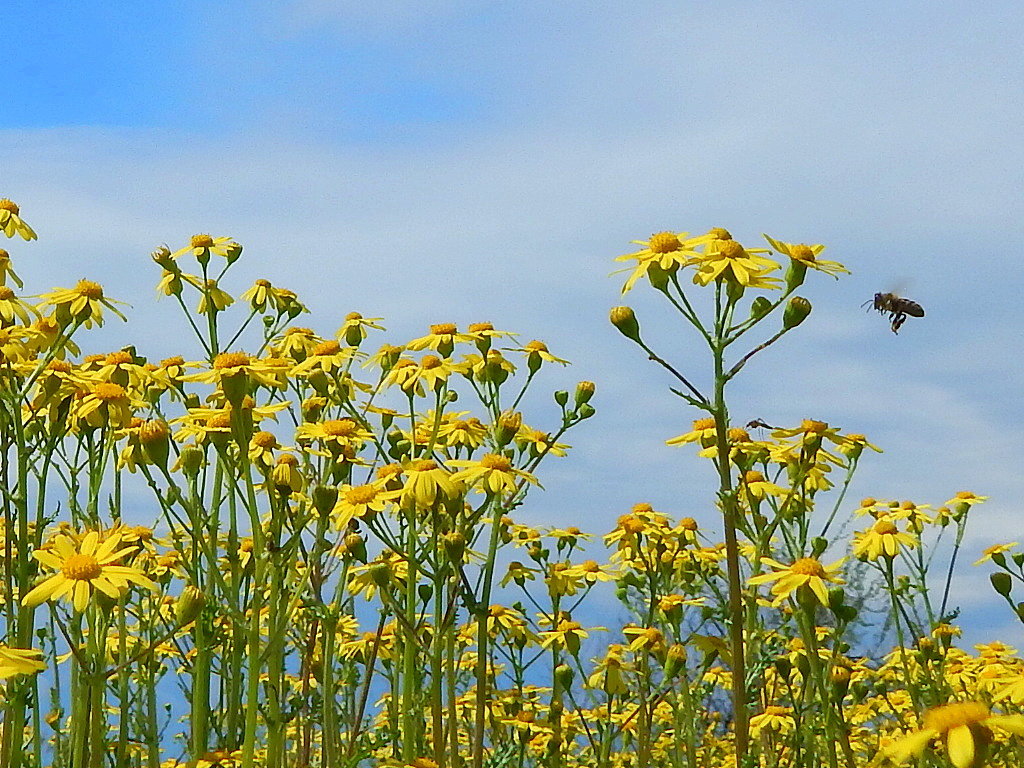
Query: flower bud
155, 438
189, 605
561, 397
675, 660
355, 546
797, 310
585, 411
1001, 583
760, 307
564, 674
191, 460
584, 391
625, 320
509, 424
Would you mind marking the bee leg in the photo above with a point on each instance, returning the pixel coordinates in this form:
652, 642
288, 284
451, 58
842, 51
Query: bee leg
898, 319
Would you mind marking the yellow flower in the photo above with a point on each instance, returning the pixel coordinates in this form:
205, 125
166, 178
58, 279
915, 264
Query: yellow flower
442, 338
83, 304
964, 727
11, 223
995, 549
807, 255
774, 718
805, 572
725, 258
703, 432
493, 472
203, 245
20, 661
360, 501
881, 539
668, 251
353, 331
6, 270
214, 299
107, 404
425, 483
84, 567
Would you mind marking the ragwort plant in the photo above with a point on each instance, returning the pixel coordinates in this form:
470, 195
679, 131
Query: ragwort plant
796, 695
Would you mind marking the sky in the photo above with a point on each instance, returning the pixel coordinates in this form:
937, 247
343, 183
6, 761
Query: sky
465, 161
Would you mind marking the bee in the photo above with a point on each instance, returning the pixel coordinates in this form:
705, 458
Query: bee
899, 309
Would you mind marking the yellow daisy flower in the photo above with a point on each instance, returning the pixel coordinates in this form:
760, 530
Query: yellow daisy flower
805, 572
83, 304
964, 727
92, 564
665, 250
493, 472
881, 539
20, 661
807, 256
11, 223
201, 246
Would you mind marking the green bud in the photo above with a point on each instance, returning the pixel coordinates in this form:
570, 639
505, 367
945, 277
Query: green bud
564, 674
760, 307
1001, 583
585, 411
584, 391
561, 397
818, 546
625, 320
189, 605
797, 310
191, 458
425, 591
836, 598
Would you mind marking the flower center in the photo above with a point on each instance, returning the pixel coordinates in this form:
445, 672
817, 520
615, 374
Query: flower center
738, 435
423, 465
702, 424
753, 476
353, 316
536, 346
802, 252
720, 234
808, 566
172, 361
6, 294
201, 241
443, 329
220, 420
885, 527
361, 494
231, 360
810, 426
89, 289
288, 459
262, 283
59, 366
264, 439
494, 461
945, 718
81, 567
430, 361
480, 327
664, 242
339, 427
730, 249
118, 358
688, 524
9, 205
109, 391
326, 348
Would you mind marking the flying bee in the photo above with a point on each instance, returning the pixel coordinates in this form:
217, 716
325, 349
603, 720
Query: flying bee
898, 308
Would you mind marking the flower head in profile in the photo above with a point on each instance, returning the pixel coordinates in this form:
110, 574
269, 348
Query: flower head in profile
202, 245
82, 304
11, 223
807, 255
965, 728
82, 567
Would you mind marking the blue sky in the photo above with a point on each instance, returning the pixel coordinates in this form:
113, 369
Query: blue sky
470, 161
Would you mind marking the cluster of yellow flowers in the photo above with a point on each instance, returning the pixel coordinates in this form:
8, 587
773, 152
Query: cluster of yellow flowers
325, 522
